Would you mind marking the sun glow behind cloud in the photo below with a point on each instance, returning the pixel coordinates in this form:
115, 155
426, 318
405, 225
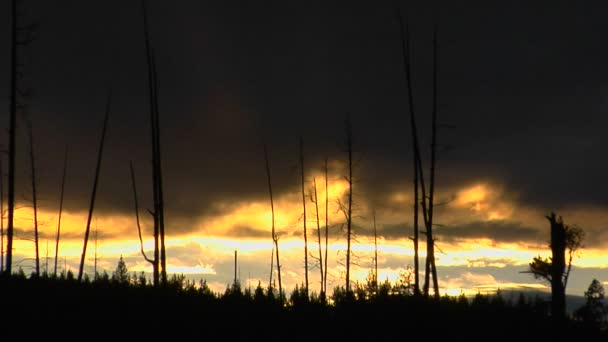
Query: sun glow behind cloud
206, 249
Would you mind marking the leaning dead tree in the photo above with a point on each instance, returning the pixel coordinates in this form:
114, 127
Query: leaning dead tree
136, 204
326, 229
304, 217
94, 192
157, 180
405, 44
316, 201
275, 238
34, 195
65, 167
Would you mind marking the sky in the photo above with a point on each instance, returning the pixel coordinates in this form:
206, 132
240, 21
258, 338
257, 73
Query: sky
521, 102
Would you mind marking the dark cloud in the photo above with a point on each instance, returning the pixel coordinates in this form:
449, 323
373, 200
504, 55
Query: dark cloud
247, 232
524, 85
496, 230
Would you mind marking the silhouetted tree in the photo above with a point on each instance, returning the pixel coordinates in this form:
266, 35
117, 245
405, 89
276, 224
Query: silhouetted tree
326, 229
1, 219
275, 237
34, 197
405, 49
141, 241
12, 142
304, 217
553, 269
65, 167
94, 192
594, 311
158, 213
347, 208
316, 202
121, 274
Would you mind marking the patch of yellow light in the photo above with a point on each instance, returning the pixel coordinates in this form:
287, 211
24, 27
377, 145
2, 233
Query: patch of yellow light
484, 201
399, 197
472, 197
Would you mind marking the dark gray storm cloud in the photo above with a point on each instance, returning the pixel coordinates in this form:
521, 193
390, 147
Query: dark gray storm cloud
523, 85
497, 230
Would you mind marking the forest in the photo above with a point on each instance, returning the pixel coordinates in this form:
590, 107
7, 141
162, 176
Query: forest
410, 306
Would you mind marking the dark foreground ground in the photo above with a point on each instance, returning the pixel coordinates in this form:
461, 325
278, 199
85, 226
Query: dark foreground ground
111, 309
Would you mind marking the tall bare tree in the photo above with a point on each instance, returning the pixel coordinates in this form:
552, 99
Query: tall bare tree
158, 213
65, 167
12, 142
375, 253
314, 182
94, 192
349, 206
304, 217
34, 195
430, 243
326, 228
427, 210
275, 238
405, 49
1, 219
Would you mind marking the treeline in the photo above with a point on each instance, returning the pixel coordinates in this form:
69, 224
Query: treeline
367, 311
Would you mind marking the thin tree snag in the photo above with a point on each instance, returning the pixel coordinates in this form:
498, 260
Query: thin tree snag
65, 167
94, 192
304, 218
136, 204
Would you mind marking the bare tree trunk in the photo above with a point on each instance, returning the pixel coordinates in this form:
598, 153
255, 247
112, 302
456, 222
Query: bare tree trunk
136, 202
95, 258
430, 244
271, 265
1, 219
349, 146
405, 49
275, 238
159, 168
235, 269
34, 201
94, 192
153, 131
304, 217
375, 255
558, 266
326, 229
12, 142
65, 167
314, 182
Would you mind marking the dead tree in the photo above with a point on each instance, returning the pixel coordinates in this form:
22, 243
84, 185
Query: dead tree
34, 197
275, 238
94, 192
1, 219
326, 229
430, 243
314, 182
405, 49
158, 212
136, 204
12, 142
418, 172
349, 209
65, 167
375, 254
304, 217
558, 266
